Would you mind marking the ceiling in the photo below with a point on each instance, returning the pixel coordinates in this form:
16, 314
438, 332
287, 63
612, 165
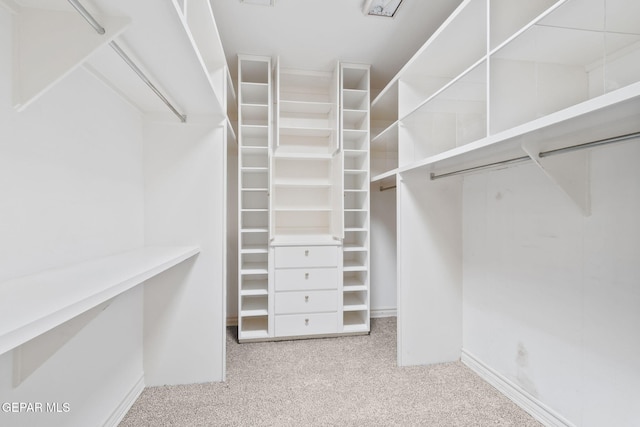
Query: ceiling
314, 34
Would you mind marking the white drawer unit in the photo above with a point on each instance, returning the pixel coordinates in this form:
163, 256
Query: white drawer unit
306, 256
301, 279
306, 302
289, 325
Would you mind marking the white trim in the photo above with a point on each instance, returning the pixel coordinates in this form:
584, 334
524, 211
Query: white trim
515, 393
118, 414
384, 312
232, 321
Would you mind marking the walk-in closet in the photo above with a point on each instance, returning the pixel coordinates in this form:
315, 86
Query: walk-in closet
175, 174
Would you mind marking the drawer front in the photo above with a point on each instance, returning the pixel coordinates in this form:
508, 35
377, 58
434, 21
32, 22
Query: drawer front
306, 256
306, 302
288, 325
306, 279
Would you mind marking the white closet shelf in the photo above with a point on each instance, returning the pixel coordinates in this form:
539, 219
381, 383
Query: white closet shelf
32, 305
606, 116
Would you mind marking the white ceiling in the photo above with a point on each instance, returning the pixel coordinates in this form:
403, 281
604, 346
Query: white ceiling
314, 34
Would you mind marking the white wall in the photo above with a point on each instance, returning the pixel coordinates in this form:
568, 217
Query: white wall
383, 252
551, 297
71, 188
185, 189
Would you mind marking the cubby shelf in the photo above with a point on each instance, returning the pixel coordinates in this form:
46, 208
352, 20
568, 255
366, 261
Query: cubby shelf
355, 134
32, 305
254, 115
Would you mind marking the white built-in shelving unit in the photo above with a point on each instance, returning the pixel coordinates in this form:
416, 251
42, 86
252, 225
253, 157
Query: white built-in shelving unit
354, 134
310, 204
254, 137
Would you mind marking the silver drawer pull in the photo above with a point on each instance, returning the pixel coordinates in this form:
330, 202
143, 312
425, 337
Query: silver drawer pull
306, 298
306, 322
306, 276
306, 253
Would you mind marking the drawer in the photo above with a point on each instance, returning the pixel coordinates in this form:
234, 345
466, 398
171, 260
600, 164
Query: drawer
306, 279
306, 324
306, 256
306, 302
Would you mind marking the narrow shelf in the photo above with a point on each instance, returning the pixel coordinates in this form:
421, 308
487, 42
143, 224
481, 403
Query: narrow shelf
254, 230
253, 249
254, 312
353, 286
354, 229
32, 305
354, 307
354, 266
252, 169
354, 248
252, 268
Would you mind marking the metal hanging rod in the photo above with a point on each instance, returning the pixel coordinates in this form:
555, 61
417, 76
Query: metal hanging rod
100, 30
591, 144
549, 153
433, 176
87, 16
390, 187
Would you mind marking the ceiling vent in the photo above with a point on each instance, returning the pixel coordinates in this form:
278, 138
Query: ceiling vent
386, 8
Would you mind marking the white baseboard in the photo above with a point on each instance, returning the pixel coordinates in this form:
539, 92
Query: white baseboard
383, 312
515, 393
232, 321
118, 414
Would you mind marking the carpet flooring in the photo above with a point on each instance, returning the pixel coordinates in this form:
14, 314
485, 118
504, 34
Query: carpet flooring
346, 381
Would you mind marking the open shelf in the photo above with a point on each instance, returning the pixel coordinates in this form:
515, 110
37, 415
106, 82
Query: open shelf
355, 321
66, 292
254, 328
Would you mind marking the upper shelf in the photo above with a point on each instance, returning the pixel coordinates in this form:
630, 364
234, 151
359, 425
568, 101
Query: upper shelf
32, 305
548, 75
608, 116
177, 46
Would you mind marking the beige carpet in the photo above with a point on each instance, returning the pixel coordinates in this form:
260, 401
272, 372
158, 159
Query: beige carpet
346, 381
